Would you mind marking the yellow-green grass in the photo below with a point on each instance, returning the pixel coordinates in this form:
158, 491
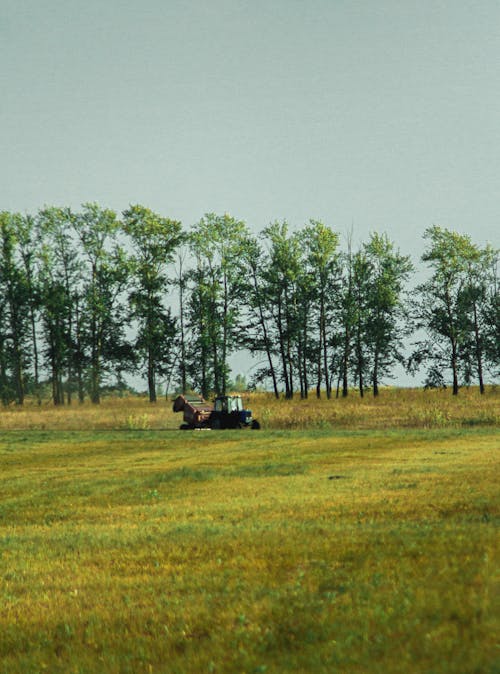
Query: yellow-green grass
272, 551
394, 408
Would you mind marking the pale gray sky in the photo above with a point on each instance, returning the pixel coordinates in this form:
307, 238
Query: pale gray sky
382, 114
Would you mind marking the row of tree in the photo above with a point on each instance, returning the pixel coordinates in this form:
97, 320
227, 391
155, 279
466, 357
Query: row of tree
88, 296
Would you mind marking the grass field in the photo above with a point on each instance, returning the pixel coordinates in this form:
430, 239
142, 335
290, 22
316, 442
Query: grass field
331, 548
394, 408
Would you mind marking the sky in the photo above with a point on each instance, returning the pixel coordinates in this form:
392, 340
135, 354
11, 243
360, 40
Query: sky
369, 115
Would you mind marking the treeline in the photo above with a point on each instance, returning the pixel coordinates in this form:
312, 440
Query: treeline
88, 297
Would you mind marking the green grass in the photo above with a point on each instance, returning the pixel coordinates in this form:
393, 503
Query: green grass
279, 551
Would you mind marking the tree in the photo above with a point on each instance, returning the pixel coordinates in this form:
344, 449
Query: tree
28, 246
106, 274
56, 307
442, 311
181, 281
490, 318
257, 333
347, 317
216, 299
15, 301
388, 271
479, 305
61, 287
321, 251
281, 279
154, 240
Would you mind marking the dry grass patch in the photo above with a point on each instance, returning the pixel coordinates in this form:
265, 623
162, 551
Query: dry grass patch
394, 408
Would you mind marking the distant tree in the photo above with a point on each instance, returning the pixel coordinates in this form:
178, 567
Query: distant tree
346, 316
6, 385
385, 319
490, 318
479, 304
361, 288
322, 259
56, 307
15, 301
61, 287
181, 281
28, 243
258, 331
281, 279
239, 385
77, 305
106, 275
154, 241
217, 294
447, 302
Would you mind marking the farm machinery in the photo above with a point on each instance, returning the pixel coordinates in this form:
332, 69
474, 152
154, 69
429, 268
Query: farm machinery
226, 412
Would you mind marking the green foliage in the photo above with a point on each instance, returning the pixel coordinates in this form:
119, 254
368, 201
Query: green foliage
60, 274
458, 308
322, 271
16, 304
385, 317
106, 275
154, 240
86, 299
284, 289
217, 244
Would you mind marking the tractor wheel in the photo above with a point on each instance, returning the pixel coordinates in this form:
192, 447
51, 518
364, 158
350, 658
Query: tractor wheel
184, 427
255, 425
215, 424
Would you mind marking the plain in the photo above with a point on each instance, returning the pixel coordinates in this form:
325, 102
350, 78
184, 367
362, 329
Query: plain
323, 549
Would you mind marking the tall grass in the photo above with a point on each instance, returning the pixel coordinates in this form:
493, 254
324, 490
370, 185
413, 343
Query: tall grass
394, 408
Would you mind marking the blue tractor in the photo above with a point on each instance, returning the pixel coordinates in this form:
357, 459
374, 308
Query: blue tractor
227, 412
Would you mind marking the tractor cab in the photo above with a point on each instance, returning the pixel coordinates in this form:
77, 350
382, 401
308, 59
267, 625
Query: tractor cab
230, 413
228, 404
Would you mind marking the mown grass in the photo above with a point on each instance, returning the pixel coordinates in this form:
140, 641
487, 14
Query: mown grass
279, 551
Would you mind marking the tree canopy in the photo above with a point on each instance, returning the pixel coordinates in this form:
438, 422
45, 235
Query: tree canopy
88, 297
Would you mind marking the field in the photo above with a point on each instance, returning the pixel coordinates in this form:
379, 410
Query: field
345, 536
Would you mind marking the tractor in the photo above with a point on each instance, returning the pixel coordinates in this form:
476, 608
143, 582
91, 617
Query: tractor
227, 412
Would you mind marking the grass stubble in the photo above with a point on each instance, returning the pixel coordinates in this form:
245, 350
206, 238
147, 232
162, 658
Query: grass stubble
317, 550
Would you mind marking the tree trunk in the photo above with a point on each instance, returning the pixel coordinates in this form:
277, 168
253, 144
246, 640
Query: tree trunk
79, 364
283, 351
35, 354
289, 359
182, 335
479, 351
453, 340
225, 337
151, 378
454, 368
345, 365
263, 325
328, 384
320, 353
375, 373
305, 377
95, 372
302, 360
18, 360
